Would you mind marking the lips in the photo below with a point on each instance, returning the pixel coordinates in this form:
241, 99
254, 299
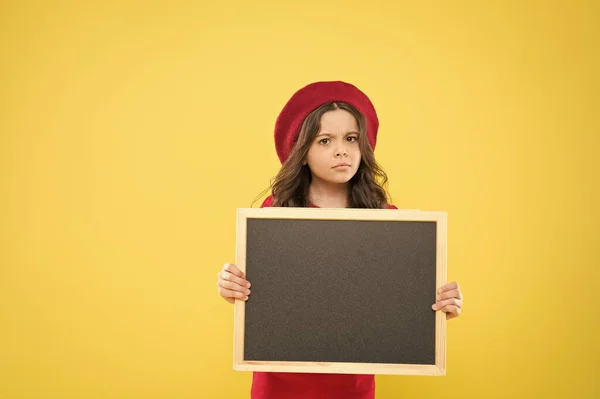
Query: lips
341, 165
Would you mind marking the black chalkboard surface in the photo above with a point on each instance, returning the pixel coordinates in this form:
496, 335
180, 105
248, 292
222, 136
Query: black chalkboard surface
341, 291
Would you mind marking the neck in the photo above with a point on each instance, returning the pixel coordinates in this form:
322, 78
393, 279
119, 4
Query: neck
328, 195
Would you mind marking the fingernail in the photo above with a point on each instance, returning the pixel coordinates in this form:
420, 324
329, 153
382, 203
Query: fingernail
439, 291
248, 292
248, 284
433, 307
246, 298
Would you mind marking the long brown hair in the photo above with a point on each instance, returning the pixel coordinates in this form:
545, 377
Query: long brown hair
367, 186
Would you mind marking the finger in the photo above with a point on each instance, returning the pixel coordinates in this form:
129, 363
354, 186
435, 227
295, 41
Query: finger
231, 268
448, 287
451, 311
449, 294
233, 287
225, 293
225, 275
446, 302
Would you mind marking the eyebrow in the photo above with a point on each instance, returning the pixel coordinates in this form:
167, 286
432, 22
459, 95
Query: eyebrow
331, 134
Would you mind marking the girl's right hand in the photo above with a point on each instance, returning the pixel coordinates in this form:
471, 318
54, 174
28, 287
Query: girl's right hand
232, 284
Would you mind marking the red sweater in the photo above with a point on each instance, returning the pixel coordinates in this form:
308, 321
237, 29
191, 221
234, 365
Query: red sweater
311, 386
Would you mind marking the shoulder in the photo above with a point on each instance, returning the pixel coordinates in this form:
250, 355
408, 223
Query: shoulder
268, 202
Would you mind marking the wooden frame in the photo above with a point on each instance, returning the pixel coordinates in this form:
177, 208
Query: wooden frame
437, 369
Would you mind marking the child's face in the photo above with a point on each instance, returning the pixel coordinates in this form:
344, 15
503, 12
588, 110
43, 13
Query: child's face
334, 155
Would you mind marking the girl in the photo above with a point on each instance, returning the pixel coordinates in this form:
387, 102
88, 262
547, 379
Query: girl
325, 137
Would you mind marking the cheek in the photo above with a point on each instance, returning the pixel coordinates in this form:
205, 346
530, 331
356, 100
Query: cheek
315, 155
310, 156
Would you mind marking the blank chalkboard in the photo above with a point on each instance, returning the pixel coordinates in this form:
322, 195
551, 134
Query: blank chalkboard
341, 291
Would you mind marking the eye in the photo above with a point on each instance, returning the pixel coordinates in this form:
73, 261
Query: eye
324, 141
352, 138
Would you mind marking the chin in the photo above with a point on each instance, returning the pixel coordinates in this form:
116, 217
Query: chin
334, 177
340, 179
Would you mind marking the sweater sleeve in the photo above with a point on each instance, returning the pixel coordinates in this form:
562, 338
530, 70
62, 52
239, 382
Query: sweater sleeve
268, 202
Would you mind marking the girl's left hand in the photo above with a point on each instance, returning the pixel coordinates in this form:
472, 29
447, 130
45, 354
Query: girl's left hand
449, 300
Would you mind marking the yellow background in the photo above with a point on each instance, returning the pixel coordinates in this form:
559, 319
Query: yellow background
131, 132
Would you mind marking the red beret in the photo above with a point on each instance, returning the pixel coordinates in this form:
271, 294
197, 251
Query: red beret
311, 97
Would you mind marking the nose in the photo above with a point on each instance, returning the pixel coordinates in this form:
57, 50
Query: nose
341, 152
